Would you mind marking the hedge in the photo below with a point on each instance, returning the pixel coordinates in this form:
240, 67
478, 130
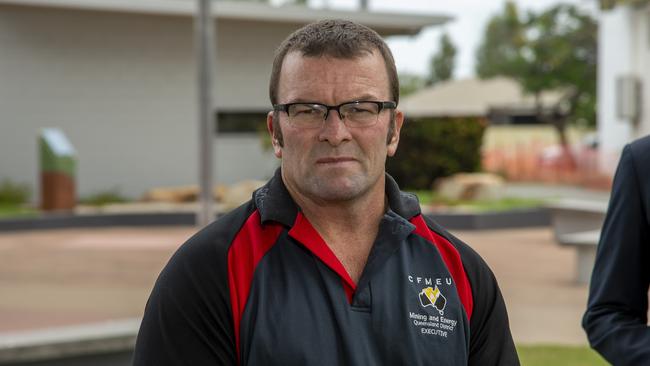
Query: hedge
431, 148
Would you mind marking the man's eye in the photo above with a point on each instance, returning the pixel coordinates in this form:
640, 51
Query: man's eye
360, 110
305, 110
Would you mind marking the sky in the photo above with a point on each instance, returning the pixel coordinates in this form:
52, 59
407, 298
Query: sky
412, 53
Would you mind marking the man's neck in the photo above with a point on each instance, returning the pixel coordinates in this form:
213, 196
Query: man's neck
356, 217
348, 227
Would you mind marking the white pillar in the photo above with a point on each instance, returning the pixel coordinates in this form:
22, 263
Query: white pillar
615, 58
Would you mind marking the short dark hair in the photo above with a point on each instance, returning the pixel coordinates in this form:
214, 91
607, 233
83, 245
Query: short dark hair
335, 38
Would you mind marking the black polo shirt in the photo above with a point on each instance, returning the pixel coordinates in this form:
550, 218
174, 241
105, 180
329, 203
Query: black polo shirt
259, 286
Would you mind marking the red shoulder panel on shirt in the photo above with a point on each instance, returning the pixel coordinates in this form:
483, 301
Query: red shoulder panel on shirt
249, 246
452, 259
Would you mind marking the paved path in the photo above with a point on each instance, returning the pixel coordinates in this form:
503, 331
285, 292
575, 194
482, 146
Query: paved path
61, 277
536, 278
64, 277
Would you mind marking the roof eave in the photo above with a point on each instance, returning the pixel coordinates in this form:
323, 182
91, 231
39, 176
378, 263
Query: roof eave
383, 22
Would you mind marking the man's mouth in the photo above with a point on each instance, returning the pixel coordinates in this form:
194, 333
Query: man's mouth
335, 160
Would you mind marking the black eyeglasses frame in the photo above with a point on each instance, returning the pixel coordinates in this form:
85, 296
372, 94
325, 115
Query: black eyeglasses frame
381, 105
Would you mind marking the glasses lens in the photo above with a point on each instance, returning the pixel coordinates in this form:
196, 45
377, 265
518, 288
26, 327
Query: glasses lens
360, 113
306, 115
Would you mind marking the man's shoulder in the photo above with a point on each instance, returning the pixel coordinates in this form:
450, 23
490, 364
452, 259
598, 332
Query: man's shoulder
471, 259
642, 143
639, 150
482, 281
634, 159
214, 240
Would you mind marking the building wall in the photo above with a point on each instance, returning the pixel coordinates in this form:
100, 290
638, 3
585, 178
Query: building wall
641, 66
122, 88
624, 49
615, 33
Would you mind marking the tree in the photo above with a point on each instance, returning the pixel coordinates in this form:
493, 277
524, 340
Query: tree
500, 53
561, 54
554, 50
410, 83
442, 63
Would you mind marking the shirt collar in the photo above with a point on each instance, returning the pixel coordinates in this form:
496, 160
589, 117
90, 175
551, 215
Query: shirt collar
275, 203
402, 203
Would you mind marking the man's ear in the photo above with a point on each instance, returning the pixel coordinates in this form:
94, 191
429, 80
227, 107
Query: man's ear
394, 139
277, 147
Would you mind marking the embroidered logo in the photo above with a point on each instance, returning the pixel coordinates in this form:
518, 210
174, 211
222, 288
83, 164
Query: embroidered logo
429, 319
433, 297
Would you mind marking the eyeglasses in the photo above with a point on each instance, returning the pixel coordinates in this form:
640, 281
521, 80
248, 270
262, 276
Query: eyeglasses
359, 113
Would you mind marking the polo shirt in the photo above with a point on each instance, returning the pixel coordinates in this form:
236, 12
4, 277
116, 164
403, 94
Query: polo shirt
259, 286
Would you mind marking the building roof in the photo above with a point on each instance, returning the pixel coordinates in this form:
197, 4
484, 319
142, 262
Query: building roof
383, 22
472, 97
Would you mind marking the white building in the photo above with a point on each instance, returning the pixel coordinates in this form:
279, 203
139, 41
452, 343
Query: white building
118, 77
623, 77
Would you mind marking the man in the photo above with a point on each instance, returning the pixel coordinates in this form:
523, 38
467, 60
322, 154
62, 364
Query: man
329, 263
616, 319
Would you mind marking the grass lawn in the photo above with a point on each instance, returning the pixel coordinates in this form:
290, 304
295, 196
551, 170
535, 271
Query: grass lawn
14, 211
504, 204
546, 355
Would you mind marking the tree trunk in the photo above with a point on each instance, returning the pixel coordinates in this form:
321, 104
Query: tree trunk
559, 121
568, 159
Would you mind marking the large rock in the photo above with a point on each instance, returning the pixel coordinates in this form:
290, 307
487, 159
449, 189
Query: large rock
172, 194
231, 196
240, 192
220, 192
471, 186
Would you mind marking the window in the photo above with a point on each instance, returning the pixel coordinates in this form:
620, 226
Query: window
241, 122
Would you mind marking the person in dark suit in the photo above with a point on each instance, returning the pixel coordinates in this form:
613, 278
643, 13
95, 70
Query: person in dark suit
616, 320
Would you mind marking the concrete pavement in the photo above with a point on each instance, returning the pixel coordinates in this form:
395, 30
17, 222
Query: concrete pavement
76, 276
536, 277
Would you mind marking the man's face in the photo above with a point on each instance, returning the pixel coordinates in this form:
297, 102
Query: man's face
334, 162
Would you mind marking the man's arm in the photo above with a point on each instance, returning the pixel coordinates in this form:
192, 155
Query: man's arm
188, 317
491, 342
616, 317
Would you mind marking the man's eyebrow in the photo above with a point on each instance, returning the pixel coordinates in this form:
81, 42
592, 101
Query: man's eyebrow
365, 97
369, 97
302, 100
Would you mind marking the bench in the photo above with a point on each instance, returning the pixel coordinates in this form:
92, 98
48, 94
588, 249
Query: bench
585, 243
577, 224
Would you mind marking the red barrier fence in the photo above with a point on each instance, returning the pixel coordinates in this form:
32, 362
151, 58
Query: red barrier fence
537, 162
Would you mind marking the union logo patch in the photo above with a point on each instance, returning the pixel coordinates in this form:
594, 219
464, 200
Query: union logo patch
433, 297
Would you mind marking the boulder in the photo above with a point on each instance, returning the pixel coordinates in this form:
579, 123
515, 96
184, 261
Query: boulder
220, 192
231, 196
172, 194
240, 192
471, 186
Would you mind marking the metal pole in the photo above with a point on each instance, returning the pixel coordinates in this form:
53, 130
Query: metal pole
205, 37
364, 4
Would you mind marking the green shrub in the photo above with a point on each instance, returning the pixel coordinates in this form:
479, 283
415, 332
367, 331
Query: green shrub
431, 148
13, 211
14, 193
104, 198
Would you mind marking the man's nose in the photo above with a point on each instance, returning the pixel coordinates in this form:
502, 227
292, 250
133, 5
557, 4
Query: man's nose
334, 129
